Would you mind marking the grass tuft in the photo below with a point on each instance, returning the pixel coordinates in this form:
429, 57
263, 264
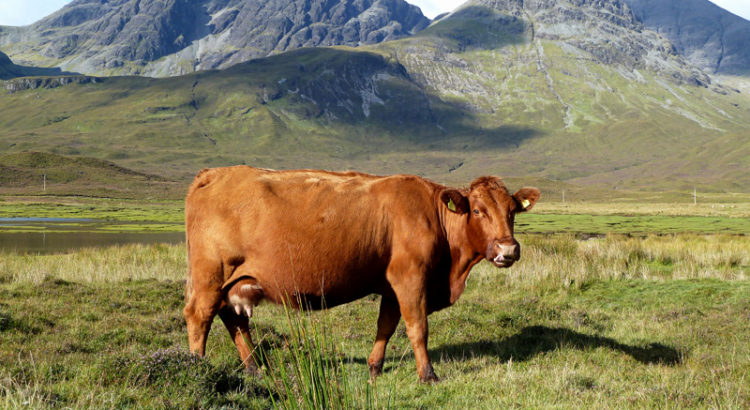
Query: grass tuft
309, 369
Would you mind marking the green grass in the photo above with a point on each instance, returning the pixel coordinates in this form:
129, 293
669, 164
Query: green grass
631, 224
123, 210
659, 321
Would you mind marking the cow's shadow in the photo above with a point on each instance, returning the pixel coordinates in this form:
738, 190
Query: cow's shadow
534, 340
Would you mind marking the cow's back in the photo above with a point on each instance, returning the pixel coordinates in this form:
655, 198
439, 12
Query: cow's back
300, 232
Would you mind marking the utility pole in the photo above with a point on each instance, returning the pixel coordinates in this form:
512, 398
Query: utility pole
695, 196
44, 183
563, 192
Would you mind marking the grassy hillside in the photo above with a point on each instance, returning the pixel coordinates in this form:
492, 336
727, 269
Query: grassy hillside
249, 114
51, 174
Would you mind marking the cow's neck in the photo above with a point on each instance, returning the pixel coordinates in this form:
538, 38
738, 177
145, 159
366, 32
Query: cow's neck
463, 257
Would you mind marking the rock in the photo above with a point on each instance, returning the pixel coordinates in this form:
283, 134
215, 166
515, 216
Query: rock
31, 83
701, 32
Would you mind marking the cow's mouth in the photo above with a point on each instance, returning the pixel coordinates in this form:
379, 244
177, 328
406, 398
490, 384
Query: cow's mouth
502, 262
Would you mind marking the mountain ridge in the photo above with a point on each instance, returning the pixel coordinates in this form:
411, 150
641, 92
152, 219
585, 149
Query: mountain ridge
97, 38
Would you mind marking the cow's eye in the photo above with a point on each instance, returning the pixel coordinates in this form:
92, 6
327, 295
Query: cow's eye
476, 212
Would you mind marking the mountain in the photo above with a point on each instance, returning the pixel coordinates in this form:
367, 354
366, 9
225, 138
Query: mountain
705, 34
609, 101
577, 91
172, 37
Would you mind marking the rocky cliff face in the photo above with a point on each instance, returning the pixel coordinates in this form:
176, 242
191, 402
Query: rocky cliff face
608, 30
705, 34
162, 38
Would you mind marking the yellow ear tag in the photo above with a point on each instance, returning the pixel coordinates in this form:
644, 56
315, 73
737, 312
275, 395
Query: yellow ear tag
525, 203
451, 205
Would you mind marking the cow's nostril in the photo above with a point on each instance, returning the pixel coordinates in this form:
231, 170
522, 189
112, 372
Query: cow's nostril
509, 251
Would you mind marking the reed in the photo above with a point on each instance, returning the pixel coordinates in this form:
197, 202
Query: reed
309, 369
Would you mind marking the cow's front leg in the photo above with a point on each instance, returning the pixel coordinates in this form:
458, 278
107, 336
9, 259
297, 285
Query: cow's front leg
410, 289
387, 322
416, 329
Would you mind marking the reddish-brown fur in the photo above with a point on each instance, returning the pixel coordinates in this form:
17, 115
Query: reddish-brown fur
325, 238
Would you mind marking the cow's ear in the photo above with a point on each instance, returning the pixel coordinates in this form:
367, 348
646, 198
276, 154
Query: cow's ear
455, 201
527, 197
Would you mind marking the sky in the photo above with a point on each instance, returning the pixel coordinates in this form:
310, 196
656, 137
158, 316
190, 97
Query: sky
23, 12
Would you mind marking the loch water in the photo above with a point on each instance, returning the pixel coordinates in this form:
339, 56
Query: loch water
53, 235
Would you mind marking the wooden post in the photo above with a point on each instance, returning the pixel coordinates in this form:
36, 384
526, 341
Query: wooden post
44, 183
695, 196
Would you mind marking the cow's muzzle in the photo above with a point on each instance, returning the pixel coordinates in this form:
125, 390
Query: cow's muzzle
503, 253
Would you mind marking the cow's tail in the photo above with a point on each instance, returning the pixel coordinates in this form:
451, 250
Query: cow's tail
189, 281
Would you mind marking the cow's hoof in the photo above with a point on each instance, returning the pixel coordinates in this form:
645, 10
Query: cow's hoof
429, 376
253, 370
376, 369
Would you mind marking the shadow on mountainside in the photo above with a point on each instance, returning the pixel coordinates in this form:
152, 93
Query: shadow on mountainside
10, 70
318, 102
363, 90
534, 340
477, 27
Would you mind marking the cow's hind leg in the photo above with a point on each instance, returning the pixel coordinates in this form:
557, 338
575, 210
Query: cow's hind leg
203, 304
387, 322
238, 328
241, 297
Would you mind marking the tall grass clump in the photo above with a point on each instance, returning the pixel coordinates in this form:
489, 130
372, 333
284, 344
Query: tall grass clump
309, 371
22, 390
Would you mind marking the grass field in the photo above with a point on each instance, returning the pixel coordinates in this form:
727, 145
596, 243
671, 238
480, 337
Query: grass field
655, 321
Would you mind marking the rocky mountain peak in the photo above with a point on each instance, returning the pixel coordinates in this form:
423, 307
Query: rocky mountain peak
171, 37
705, 34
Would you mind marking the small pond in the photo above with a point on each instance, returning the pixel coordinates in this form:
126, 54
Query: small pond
51, 235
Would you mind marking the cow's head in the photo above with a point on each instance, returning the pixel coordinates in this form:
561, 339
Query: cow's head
490, 211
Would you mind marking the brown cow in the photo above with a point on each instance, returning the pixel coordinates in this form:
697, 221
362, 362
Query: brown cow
327, 238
